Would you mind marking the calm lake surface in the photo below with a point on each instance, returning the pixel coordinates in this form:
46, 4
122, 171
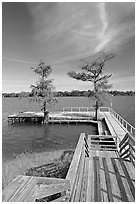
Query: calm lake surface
18, 138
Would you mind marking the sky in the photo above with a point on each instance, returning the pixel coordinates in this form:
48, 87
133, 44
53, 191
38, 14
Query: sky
61, 34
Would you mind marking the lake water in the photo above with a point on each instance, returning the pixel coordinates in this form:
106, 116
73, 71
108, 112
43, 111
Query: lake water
18, 138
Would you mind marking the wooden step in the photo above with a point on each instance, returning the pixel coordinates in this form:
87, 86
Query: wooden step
30, 188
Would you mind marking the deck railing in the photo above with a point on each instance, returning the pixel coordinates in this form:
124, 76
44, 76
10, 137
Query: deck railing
84, 174
104, 109
126, 125
78, 109
75, 170
127, 148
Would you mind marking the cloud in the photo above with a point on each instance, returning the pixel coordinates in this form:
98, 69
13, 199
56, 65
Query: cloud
72, 30
103, 37
123, 79
123, 83
17, 60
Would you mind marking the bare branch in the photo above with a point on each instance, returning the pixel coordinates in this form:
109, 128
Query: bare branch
104, 77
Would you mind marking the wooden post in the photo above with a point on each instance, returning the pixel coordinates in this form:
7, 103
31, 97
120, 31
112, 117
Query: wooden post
126, 125
122, 122
131, 130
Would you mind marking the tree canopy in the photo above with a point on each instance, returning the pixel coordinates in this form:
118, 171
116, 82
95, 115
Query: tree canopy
43, 91
94, 73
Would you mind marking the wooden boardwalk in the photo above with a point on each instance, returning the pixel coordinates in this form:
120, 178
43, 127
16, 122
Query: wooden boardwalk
114, 126
54, 117
95, 175
100, 176
105, 178
102, 169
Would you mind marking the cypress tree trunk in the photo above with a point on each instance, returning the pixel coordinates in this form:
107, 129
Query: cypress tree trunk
96, 102
45, 113
96, 111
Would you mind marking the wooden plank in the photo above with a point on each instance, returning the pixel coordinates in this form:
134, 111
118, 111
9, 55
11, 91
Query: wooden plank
132, 139
95, 147
17, 189
130, 171
126, 144
114, 126
132, 160
31, 195
110, 127
86, 143
48, 190
108, 146
90, 181
104, 191
84, 181
119, 180
47, 180
86, 153
28, 195
102, 136
78, 183
11, 188
24, 191
107, 178
131, 146
102, 149
127, 156
112, 185
97, 185
124, 153
132, 155
100, 128
102, 141
72, 172
124, 139
125, 180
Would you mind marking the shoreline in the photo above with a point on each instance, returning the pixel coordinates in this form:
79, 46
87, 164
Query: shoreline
40, 164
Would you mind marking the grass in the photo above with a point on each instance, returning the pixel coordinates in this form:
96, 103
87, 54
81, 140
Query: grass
51, 164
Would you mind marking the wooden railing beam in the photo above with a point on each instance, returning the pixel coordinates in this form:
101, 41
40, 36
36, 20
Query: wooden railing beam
125, 147
118, 117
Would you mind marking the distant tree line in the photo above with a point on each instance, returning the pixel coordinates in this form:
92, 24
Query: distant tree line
70, 93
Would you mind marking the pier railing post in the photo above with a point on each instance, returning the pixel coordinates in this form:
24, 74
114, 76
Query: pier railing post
131, 130
86, 145
126, 125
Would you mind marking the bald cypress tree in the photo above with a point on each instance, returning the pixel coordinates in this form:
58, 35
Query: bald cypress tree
44, 91
93, 72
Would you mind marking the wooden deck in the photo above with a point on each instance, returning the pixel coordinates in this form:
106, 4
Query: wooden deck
105, 178
100, 175
54, 117
97, 174
31, 189
114, 126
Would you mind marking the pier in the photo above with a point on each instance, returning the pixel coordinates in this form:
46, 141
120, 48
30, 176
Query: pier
102, 168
